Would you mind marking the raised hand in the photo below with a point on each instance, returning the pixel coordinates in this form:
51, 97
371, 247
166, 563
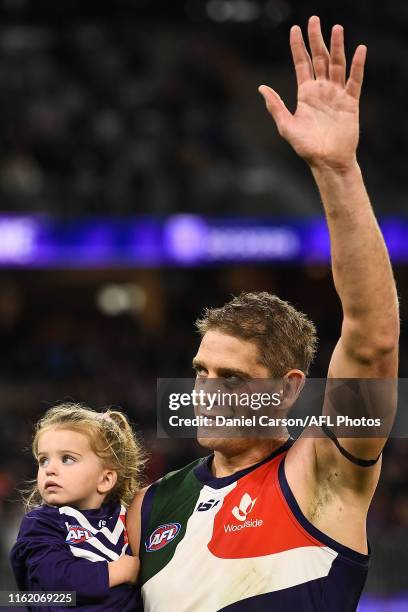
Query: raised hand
324, 130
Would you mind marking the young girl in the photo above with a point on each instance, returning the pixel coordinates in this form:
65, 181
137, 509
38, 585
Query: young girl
74, 538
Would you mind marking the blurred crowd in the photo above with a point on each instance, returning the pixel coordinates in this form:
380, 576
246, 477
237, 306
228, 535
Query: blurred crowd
123, 116
102, 120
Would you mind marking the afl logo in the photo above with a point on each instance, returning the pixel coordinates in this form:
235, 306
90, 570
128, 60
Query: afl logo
162, 536
77, 534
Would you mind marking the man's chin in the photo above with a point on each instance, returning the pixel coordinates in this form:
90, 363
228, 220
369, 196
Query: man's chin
226, 446
208, 442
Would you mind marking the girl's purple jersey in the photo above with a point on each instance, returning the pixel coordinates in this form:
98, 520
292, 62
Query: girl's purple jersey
64, 549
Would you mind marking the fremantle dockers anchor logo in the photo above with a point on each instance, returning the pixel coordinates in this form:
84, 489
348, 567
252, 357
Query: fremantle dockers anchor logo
162, 536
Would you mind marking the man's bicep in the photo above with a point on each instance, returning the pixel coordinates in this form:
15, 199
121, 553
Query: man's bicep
134, 522
355, 358
361, 389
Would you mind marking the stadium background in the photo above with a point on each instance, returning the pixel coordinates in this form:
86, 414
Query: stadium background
129, 107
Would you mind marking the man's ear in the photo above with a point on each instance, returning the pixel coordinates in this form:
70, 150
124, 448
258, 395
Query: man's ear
292, 384
107, 481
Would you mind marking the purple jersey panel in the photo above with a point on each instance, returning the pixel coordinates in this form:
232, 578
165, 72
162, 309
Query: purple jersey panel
64, 549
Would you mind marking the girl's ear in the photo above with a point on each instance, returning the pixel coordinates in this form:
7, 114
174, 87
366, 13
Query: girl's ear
107, 481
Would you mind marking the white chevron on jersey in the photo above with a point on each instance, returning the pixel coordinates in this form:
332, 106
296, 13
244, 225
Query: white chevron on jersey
113, 536
86, 554
111, 554
92, 556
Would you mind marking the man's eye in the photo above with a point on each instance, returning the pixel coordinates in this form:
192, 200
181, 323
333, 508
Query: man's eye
68, 459
200, 373
233, 381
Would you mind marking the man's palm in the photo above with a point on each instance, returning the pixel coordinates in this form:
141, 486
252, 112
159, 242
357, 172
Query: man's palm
324, 128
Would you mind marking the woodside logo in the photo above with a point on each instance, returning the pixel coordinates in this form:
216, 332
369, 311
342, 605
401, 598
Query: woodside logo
241, 512
245, 507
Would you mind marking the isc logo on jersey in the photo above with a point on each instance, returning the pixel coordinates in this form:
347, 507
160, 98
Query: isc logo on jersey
77, 534
162, 536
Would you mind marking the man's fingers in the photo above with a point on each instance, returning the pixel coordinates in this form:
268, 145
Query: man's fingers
355, 80
337, 67
301, 58
276, 107
320, 54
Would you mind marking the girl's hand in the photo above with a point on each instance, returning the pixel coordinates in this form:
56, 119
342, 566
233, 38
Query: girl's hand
125, 569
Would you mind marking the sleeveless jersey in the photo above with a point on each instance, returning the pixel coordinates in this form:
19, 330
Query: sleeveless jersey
240, 543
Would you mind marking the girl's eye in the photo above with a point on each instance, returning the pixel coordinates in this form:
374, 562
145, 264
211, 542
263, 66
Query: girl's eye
68, 459
42, 461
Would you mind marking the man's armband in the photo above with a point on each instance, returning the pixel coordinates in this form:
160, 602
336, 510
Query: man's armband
346, 454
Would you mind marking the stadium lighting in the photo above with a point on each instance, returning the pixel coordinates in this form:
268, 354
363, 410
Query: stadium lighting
114, 300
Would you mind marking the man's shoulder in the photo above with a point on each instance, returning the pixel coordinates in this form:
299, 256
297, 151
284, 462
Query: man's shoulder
170, 482
182, 472
173, 486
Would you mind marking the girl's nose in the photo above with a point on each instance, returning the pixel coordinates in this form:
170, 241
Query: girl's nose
51, 468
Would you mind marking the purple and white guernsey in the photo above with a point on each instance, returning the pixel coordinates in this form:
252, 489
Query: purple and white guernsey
64, 549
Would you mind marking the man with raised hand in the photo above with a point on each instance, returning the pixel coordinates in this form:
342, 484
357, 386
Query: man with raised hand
272, 524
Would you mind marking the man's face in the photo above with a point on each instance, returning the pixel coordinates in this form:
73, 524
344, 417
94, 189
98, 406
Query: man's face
232, 359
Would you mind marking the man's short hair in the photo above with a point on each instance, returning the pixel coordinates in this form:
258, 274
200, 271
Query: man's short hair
285, 337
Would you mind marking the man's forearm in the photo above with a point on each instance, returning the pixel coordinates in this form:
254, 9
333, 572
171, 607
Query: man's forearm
361, 267
324, 131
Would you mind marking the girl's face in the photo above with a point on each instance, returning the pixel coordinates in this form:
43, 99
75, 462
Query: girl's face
69, 472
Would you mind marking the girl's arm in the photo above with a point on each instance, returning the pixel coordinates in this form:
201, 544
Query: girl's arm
41, 557
50, 565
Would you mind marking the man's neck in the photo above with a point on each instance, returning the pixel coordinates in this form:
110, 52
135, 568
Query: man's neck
226, 465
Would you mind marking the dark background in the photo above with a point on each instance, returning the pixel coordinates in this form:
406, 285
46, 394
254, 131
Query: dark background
135, 107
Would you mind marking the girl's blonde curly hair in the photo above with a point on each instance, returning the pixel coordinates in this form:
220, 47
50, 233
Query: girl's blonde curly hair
111, 438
